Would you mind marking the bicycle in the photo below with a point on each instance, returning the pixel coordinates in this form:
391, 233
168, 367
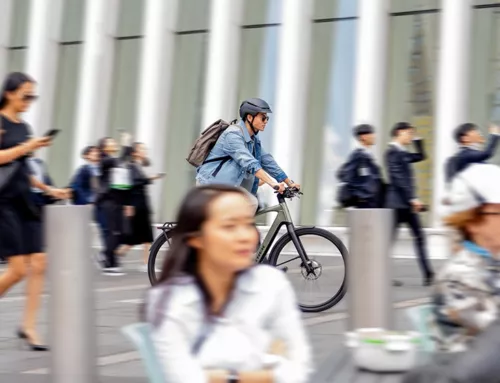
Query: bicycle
309, 267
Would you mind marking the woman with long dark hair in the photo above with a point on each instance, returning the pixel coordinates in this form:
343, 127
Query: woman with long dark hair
20, 237
113, 204
216, 316
141, 230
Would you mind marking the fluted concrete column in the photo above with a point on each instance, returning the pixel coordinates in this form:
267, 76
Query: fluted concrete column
291, 99
222, 65
41, 59
96, 74
6, 18
452, 92
371, 58
160, 19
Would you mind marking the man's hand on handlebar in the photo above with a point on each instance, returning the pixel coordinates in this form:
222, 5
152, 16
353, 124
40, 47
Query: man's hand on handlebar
280, 188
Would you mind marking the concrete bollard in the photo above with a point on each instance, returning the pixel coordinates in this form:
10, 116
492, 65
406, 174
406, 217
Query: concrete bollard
370, 268
72, 310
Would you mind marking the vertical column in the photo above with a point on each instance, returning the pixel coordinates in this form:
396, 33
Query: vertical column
95, 75
160, 19
452, 92
222, 70
6, 7
371, 54
41, 61
291, 106
72, 298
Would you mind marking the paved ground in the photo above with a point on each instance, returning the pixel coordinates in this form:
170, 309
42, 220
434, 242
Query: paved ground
117, 305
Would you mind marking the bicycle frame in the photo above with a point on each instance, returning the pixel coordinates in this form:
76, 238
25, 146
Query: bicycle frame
283, 218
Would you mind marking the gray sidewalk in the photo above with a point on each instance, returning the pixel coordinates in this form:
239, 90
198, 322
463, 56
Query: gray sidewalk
117, 305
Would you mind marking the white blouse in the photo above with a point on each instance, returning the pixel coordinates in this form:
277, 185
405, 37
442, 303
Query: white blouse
262, 309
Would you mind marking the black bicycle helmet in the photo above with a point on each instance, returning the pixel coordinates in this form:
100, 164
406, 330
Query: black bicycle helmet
253, 106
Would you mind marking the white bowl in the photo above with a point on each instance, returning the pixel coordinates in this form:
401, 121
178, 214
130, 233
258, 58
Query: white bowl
380, 350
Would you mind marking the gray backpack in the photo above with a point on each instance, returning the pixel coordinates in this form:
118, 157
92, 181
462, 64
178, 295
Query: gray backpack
205, 143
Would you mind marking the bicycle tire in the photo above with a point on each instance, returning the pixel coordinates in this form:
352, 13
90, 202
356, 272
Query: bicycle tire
153, 253
285, 239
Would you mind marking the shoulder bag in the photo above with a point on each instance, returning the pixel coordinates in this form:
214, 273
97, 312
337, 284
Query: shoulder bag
7, 170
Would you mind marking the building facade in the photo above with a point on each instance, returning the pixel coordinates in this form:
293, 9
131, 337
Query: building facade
165, 69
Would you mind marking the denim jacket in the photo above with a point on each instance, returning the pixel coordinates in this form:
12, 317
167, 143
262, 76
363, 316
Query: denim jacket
236, 143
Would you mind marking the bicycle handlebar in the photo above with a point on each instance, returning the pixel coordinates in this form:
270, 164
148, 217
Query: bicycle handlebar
288, 193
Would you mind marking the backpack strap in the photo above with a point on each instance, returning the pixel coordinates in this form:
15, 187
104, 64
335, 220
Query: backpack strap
222, 159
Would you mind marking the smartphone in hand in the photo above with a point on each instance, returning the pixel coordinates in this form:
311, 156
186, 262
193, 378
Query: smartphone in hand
52, 133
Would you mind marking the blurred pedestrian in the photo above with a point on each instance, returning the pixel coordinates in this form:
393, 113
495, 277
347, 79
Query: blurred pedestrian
20, 244
471, 151
85, 183
217, 316
141, 230
401, 192
466, 298
113, 199
362, 177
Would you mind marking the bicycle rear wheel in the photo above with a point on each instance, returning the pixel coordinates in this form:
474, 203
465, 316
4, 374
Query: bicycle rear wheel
328, 256
157, 255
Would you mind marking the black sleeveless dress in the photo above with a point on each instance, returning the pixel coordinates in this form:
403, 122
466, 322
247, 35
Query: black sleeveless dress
20, 222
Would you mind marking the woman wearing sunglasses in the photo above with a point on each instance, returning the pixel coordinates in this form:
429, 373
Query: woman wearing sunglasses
217, 317
20, 226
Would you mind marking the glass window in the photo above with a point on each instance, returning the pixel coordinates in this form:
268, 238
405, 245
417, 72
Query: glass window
414, 5
126, 86
19, 23
72, 23
484, 79
193, 15
412, 73
130, 18
328, 9
329, 118
184, 123
64, 113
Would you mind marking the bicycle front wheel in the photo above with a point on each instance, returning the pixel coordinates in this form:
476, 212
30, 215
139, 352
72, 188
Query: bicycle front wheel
157, 255
324, 285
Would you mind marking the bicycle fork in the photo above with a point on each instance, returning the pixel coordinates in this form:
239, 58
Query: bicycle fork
300, 248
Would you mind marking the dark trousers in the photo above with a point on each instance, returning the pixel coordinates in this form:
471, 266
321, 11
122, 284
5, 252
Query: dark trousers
367, 204
113, 216
413, 221
100, 219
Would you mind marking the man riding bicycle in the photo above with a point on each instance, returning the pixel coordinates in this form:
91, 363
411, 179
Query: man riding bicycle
249, 163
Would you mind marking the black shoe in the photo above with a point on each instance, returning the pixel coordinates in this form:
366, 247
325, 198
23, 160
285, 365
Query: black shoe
33, 347
429, 280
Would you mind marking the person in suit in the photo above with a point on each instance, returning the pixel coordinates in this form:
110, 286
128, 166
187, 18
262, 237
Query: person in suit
361, 174
471, 141
401, 193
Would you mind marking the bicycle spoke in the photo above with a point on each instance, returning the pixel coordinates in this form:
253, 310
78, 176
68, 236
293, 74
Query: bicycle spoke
284, 263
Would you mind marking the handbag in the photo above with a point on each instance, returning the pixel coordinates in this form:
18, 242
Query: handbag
7, 170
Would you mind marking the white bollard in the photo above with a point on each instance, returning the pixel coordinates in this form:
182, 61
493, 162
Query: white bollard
370, 268
72, 314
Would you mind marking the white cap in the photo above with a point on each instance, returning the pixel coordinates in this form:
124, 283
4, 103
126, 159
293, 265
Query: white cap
477, 185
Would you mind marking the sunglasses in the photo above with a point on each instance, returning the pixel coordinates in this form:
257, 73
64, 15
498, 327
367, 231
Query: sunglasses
30, 97
264, 117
